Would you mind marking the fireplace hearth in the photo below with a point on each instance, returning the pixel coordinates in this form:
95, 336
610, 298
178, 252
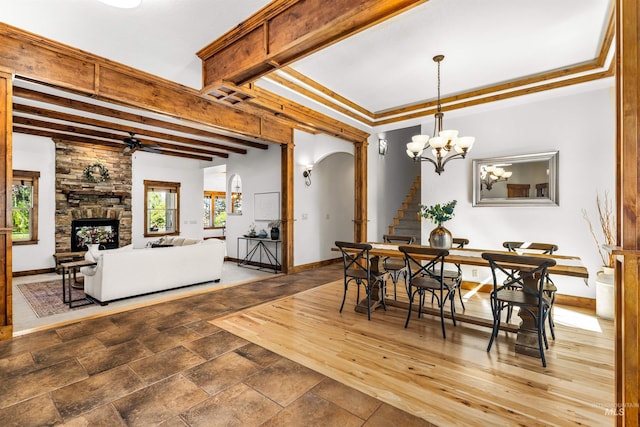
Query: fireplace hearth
103, 231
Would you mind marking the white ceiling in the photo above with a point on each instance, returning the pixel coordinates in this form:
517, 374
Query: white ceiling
387, 66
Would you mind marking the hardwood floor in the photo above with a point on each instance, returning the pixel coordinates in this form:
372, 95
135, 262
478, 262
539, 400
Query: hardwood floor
447, 382
277, 352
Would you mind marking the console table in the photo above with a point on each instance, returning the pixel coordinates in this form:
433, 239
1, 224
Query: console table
262, 248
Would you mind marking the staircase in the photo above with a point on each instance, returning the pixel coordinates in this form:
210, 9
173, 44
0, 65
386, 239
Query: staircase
407, 223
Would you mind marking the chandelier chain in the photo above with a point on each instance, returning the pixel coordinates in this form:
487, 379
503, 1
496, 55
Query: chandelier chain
439, 107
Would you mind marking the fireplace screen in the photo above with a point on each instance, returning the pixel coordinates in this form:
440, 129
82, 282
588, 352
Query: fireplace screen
94, 230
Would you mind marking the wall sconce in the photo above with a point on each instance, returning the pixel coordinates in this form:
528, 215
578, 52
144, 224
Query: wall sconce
382, 146
307, 174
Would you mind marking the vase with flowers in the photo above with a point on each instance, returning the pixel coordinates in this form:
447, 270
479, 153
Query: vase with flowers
439, 237
604, 278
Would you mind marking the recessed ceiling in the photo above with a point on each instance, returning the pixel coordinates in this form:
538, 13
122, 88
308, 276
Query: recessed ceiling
383, 68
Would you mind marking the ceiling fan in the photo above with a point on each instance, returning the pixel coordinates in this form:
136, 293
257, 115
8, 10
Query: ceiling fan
134, 144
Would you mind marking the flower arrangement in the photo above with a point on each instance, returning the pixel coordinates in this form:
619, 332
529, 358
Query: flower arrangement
252, 230
94, 235
608, 225
438, 213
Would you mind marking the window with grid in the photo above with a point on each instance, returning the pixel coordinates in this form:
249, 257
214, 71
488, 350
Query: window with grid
215, 214
24, 207
161, 208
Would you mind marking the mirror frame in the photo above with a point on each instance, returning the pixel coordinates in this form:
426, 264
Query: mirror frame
552, 159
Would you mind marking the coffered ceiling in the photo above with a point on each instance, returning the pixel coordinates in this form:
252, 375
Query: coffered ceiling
380, 78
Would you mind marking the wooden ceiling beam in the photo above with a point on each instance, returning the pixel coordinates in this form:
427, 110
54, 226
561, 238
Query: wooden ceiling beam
57, 115
320, 99
102, 144
27, 121
285, 31
39, 59
33, 95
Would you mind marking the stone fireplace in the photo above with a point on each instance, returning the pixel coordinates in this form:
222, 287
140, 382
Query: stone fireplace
100, 204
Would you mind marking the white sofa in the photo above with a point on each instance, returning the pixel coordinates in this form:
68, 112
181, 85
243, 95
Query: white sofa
126, 272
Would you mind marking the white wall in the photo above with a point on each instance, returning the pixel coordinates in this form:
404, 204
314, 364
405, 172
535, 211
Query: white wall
323, 211
35, 153
389, 180
259, 171
188, 172
582, 128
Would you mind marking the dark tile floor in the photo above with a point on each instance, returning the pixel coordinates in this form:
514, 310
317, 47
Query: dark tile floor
166, 365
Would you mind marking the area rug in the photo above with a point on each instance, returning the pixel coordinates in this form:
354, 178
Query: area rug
45, 298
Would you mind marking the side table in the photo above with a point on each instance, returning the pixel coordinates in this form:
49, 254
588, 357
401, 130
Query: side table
61, 257
67, 269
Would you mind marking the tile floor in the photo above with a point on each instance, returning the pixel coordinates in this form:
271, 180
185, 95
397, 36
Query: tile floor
165, 364
25, 320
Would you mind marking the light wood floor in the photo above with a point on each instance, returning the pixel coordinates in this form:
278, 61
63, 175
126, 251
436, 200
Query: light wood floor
447, 382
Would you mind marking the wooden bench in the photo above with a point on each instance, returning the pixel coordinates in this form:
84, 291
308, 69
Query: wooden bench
62, 257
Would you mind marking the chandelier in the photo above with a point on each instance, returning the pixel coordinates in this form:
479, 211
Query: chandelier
442, 142
489, 175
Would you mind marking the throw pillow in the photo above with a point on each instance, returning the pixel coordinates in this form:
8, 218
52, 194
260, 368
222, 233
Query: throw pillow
178, 241
158, 245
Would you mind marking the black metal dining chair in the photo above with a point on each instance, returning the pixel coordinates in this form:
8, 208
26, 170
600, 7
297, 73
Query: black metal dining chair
456, 275
426, 274
522, 288
357, 268
396, 266
550, 288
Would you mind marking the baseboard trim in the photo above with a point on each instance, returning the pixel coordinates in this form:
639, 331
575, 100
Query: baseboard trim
311, 266
569, 300
32, 272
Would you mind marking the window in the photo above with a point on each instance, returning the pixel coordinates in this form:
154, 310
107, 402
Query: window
24, 207
161, 208
236, 195
215, 215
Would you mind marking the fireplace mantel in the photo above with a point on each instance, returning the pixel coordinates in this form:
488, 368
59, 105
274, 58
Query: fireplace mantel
80, 194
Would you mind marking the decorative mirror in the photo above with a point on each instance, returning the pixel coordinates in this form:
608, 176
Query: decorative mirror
235, 189
527, 180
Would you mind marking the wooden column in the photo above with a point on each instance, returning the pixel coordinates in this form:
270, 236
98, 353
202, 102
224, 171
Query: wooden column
6, 316
360, 192
286, 178
628, 210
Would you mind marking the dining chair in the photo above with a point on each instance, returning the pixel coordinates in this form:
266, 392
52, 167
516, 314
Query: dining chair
523, 288
396, 266
357, 268
426, 274
549, 287
456, 275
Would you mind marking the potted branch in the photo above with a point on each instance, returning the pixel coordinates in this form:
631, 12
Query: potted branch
605, 303
608, 227
439, 237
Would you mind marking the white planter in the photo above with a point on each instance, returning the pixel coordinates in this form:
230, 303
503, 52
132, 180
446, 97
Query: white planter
605, 302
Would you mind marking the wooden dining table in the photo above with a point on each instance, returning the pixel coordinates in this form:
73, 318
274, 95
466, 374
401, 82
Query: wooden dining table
526, 341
